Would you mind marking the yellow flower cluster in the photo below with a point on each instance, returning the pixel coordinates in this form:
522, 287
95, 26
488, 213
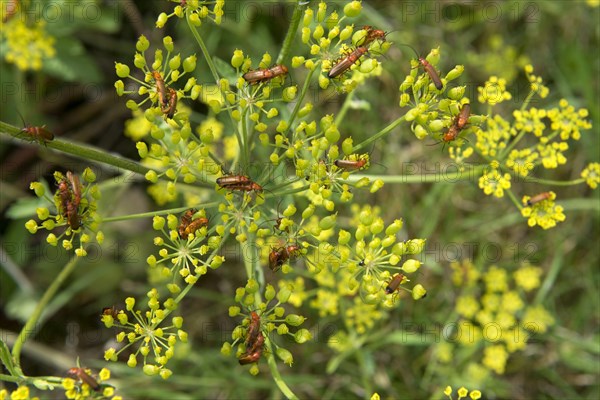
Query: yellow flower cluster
27, 46
536, 82
544, 213
591, 174
499, 316
493, 92
494, 183
20, 393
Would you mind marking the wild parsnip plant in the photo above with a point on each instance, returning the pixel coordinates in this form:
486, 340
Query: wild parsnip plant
269, 173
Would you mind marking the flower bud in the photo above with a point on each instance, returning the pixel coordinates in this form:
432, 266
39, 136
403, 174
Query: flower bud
285, 356
237, 59
189, 64
328, 222
455, 72
419, 292
161, 20
294, 319
122, 70
168, 43
302, 336
352, 9
411, 266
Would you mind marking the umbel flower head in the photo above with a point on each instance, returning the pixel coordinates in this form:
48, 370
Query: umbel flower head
27, 45
73, 208
148, 332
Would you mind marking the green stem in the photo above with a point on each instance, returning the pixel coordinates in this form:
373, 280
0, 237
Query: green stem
556, 183
30, 329
10, 378
514, 199
81, 151
557, 264
155, 213
527, 100
287, 392
207, 57
365, 376
300, 98
345, 107
379, 134
208, 261
424, 178
291, 33
511, 146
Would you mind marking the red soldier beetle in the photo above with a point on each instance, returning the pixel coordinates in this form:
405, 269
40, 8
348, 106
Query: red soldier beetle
458, 124
253, 328
10, 9
429, 69
253, 354
37, 133
189, 225
69, 208
84, 377
262, 75
352, 165
278, 257
238, 182
161, 90
538, 198
394, 284
75, 187
72, 205
112, 311
346, 62
229, 180
372, 35
171, 107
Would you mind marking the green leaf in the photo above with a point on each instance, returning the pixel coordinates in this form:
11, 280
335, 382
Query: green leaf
71, 63
7, 359
225, 70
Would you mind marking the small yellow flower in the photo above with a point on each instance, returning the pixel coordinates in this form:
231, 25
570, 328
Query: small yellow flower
494, 183
462, 392
495, 358
444, 352
522, 161
505, 320
464, 273
493, 91
528, 277
537, 319
568, 121
591, 174
448, 391
496, 280
511, 302
475, 395
467, 306
515, 339
490, 301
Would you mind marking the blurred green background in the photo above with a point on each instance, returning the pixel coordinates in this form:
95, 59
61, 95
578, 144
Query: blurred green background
74, 96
